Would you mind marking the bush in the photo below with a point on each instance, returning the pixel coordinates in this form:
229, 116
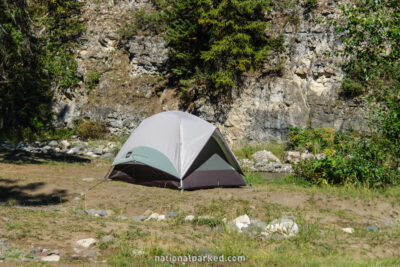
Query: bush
314, 140
92, 79
87, 129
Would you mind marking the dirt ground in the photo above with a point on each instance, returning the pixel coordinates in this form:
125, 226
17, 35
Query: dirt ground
41, 196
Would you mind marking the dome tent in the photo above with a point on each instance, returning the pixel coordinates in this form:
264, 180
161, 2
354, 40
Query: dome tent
177, 150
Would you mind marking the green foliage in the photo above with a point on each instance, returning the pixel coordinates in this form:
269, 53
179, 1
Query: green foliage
87, 129
32, 62
353, 161
215, 41
92, 79
311, 139
371, 36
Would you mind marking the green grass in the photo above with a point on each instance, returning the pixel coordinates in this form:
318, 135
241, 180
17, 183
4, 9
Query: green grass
247, 150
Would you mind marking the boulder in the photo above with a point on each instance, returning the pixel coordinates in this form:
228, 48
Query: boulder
86, 242
265, 156
53, 143
153, 217
320, 156
98, 151
107, 155
241, 222
138, 218
284, 226
96, 213
307, 156
172, 214
291, 157
66, 144
348, 230
51, 258
189, 218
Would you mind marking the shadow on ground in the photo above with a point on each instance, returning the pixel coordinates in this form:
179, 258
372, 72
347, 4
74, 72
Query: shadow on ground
13, 194
20, 157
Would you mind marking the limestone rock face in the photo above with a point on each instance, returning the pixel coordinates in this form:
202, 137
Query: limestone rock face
304, 91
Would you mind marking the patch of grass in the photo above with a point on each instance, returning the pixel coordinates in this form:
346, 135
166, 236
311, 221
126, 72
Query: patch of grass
255, 179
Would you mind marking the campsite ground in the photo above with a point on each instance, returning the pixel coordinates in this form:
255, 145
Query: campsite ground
41, 196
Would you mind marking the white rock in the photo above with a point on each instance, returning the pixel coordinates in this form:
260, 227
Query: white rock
137, 252
241, 222
284, 226
153, 217
189, 218
66, 144
291, 156
86, 242
307, 156
50, 258
161, 218
348, 230
265, 155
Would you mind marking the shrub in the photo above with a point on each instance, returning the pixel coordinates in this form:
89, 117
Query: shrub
92, 79
311, 139
87, 129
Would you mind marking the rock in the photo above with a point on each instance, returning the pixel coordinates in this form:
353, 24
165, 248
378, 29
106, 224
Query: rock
153, 217
241, 222
122, 217
51, 258
91, 154
98, 151
147, 213
265, 156
74, 150
137, 252
81, 212
5, 219
94, 212
284, 226
161, 218
86, 242
107, 239
256, 227
307, 156
138, 218
172, 214
66, 144
320, 156
53, 143
247, 164
107, 155
292, 157
77, 198
88, 179
348, 230
189, 218
372, 228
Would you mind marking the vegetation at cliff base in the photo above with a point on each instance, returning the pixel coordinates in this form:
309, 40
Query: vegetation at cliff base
371, 36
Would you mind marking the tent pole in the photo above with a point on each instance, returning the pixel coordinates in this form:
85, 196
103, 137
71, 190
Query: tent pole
181, 186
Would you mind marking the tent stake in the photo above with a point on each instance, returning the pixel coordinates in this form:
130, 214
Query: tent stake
247, 181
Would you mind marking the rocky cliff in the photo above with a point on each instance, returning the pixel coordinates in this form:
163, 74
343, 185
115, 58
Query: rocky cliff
303, 91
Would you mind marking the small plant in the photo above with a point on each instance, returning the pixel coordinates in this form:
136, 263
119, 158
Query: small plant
87, 129
92, 79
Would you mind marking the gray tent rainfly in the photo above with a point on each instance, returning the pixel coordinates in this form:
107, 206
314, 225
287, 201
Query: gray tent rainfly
177, 150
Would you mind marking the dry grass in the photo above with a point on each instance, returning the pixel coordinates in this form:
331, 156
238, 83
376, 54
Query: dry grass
320, 213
